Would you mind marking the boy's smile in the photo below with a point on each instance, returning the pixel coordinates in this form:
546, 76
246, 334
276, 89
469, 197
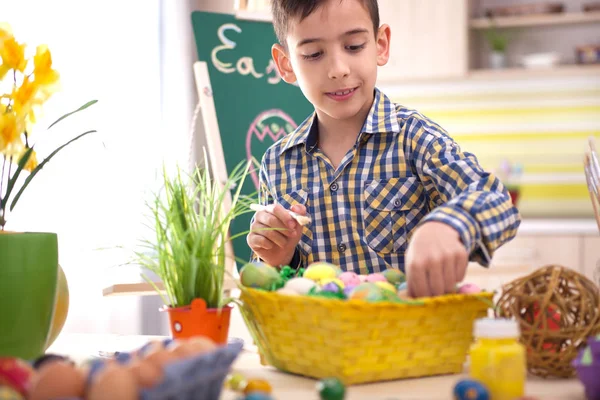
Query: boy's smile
333, 54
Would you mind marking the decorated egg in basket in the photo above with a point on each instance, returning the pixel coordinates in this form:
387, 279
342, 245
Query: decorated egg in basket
394, 276
321, 270
259, 275
372, 292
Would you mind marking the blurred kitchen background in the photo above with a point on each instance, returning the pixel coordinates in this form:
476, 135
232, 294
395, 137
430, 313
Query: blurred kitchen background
517, 82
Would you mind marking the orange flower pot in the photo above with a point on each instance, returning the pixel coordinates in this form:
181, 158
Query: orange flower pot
197, 320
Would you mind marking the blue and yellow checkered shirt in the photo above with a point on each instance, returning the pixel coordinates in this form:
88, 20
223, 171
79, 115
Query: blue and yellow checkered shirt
403, 170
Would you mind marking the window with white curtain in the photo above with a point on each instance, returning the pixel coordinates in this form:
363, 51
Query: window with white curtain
92, 194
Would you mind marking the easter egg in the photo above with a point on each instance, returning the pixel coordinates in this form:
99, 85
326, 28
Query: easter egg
403, 286
469, 288
258, 396
321, 270
362, 278
469, 389
349, 278
375, 277
16, 374
394, 276
386, 286
335, 281
331, 287
257, 385
331, 389
259, 275
371, 292
300, 285
349, 289
7, 393
236, 381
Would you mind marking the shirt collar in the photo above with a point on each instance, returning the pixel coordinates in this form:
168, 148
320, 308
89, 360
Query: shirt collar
381, 119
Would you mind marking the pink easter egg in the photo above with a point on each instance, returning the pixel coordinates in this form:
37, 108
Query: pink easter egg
349, 278
376, 277
469, 288
363, 278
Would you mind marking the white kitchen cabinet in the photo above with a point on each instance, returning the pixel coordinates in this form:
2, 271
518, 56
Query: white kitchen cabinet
429, 39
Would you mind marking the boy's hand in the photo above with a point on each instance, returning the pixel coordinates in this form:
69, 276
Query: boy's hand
275, 247
436, 260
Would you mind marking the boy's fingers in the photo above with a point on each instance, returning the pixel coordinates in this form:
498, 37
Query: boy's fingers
271, 220
276, 237
436, 278
449, 277
256, 241
462, 261
284, 216
299, 209
417, 284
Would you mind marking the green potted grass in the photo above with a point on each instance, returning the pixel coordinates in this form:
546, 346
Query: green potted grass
190, 219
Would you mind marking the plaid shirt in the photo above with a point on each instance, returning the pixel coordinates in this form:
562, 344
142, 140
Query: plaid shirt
403, 170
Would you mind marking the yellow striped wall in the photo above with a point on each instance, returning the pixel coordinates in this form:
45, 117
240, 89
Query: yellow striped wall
543, 124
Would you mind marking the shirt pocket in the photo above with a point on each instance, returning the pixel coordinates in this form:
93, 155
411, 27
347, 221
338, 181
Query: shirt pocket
287, 200
386, 203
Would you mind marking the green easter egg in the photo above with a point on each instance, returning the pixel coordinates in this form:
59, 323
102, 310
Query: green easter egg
331, 389
394, 276
259, 275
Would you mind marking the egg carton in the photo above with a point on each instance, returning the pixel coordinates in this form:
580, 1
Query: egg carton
195, 378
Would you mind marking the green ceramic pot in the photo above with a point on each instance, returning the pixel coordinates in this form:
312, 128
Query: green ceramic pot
28, 276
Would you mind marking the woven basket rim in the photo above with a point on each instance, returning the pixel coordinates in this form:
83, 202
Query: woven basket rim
419, 302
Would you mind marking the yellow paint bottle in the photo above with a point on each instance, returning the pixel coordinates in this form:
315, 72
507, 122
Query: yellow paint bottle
498, 359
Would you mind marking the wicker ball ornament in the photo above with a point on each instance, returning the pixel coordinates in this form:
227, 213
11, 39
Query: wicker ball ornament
557, 309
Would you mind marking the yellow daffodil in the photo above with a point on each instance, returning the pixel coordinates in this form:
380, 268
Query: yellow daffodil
42, 70
12, 54
27, 96
11, 128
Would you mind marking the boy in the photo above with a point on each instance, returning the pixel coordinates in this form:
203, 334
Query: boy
385, 187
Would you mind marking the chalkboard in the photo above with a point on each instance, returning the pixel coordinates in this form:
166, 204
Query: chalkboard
254, 106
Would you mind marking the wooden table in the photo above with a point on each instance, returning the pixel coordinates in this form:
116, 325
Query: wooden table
290, 387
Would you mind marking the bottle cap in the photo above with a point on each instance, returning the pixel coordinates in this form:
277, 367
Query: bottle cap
496, 328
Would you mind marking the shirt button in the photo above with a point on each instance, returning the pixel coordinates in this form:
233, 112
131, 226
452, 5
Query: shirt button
396, 202
334, 186
341, 247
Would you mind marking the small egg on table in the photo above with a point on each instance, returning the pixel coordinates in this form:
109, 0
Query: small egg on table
115, 382
258, 396
57, 379
147, 374
257, 385
236, 381
331, 389
192, 347
8, 393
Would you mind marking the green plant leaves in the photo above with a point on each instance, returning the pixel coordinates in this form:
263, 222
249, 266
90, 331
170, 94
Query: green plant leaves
40, 166
83, 107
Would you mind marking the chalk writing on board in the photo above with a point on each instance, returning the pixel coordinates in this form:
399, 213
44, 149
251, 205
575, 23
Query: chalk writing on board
269, 125
245, 64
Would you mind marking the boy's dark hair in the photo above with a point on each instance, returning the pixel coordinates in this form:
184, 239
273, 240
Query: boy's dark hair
284, 10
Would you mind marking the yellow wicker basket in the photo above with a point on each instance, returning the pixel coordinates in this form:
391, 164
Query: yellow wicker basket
359, 342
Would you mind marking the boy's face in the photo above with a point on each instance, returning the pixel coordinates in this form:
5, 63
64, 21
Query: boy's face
333, 54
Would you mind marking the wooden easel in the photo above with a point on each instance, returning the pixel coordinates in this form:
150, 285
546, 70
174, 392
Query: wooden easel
218, 171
